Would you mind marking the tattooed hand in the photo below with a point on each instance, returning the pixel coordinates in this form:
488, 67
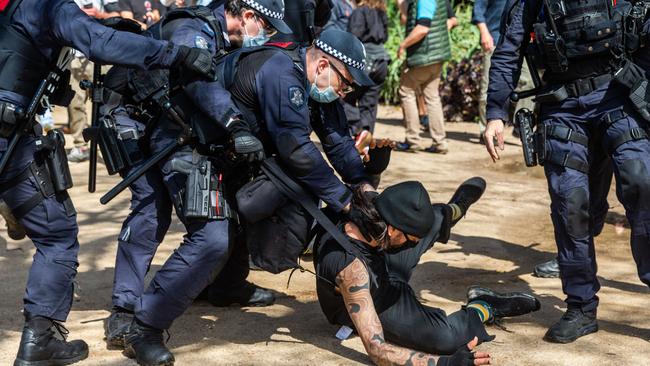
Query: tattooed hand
354, 283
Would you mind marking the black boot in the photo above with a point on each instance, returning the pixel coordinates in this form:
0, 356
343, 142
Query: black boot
117, 326
39, 346
246, 295
550, 269
574, 324
504, 305
467, 194
146, 345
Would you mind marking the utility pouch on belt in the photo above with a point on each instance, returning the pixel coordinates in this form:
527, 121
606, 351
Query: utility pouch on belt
634, 77
203, 194
120, 149
52, 147
10, 114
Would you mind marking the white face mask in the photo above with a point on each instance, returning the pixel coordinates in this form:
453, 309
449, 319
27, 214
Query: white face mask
257, 40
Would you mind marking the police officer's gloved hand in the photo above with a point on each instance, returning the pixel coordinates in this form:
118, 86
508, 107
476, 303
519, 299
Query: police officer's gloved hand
245, 143
195, 60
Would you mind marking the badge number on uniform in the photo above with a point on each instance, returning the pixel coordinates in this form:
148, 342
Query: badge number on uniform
296, 97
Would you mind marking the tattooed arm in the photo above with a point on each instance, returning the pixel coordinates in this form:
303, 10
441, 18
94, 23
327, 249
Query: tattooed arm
354, 283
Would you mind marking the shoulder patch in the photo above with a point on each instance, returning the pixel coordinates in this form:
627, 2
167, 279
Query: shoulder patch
200, 42
296, 97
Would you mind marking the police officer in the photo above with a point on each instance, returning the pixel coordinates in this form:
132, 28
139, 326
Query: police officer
140, 317
590, 51
32, 34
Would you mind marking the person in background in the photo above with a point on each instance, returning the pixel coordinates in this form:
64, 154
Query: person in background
426, 47
369, 23
487, 16
82, 69
144, 12
452, 22
341, 11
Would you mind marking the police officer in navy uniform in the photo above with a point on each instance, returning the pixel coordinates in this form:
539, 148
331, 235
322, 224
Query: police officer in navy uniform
141, 315
591, 120
32, 35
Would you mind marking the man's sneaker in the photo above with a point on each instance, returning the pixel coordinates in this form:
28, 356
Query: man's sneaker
437, 149
574, 324
14, 229
117, 326
550, 269
247, 295
504, 305
467, 194
40, 346
78, 154
146, 345
404, 146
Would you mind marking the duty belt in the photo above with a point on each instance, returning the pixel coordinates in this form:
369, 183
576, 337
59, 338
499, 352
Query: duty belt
585, 86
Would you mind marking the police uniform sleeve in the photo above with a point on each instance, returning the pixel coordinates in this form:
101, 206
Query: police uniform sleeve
210, 97
283, 101
506, 61
331, 126
73, 28
478, 12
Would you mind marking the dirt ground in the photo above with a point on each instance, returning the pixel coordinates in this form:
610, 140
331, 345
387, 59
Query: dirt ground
497, 244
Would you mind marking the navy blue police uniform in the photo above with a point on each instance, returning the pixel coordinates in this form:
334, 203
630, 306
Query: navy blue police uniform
208, 248
32, 36
591, 127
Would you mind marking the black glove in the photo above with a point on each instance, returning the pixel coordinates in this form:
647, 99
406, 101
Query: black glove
245, 143
379, 160
462, 357
195, 60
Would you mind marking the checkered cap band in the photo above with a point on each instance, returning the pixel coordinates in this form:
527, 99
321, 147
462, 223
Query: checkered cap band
264, 10
344, 58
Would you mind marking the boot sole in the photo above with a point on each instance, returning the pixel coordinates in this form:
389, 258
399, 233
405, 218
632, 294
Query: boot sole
546, 275
485, 295
583, 332
115, 343
54, 362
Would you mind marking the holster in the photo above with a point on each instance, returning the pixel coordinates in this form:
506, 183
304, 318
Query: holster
120, 148
52, 146
203, 196
533, 137
10, 115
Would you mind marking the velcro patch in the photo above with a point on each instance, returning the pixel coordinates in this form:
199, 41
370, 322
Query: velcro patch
296, 97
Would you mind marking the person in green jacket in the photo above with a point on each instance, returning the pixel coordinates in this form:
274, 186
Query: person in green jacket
426, 47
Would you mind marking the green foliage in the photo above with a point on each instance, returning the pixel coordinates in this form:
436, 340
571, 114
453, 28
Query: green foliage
464, 39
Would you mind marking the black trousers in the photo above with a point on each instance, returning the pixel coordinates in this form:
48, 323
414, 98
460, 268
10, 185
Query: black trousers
361, 105
409, 323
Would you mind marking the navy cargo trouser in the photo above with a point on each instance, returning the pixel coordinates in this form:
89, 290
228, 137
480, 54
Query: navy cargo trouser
607, 136
207, 249
52, 227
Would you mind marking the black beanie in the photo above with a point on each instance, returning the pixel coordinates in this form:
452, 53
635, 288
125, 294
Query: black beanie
406, 206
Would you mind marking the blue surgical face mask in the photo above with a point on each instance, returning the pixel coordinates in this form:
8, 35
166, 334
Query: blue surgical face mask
323, 96
258, 40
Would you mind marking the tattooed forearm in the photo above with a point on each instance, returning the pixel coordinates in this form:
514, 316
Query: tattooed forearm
354, 284
365, 286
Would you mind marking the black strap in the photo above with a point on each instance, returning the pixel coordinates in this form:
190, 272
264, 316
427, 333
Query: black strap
295, 192
28, 205
614, 116
580, 87
632, 134
565, 160
566, 134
